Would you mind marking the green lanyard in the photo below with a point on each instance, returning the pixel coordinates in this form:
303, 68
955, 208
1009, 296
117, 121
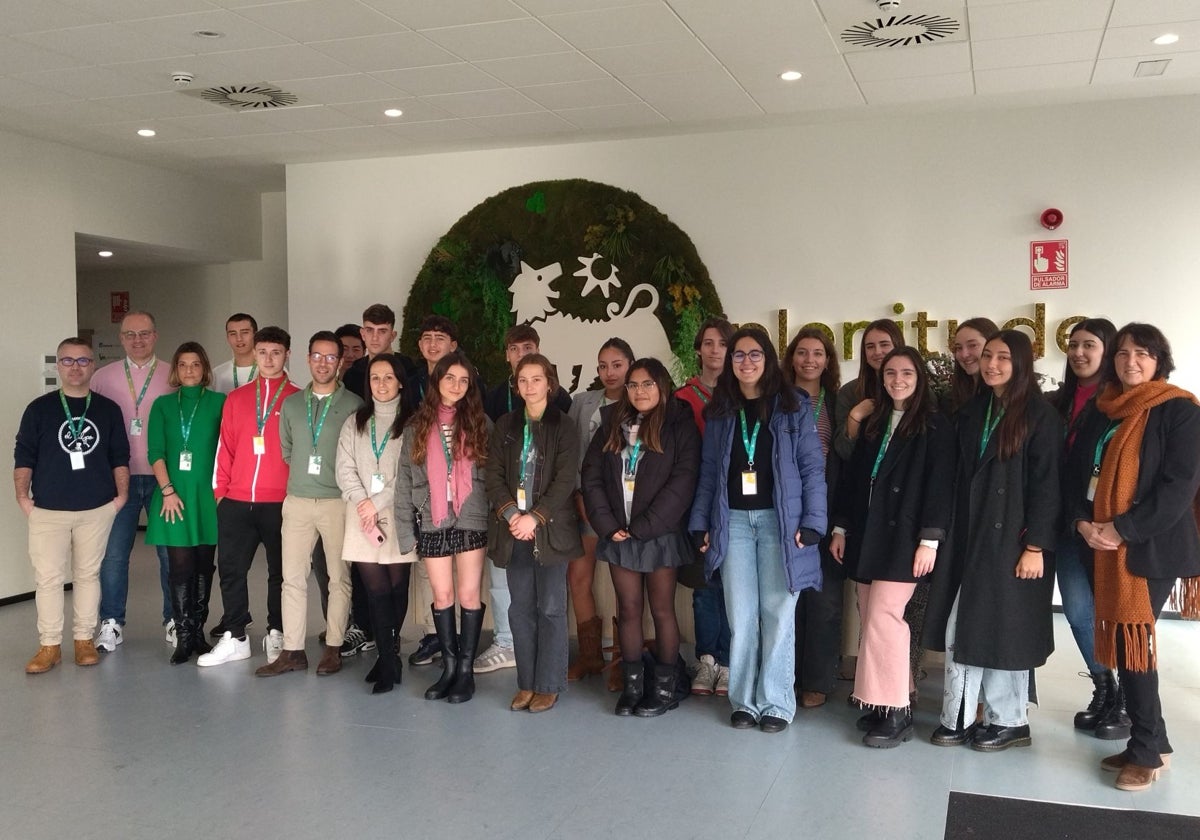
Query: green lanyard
1103, 442
989, 426
76, 429
704, 398
378, 449
315, 431
634, 457
526, 443
253, 370
137, 400
749, 441
186, 428
821, 404
259, 417
887, 436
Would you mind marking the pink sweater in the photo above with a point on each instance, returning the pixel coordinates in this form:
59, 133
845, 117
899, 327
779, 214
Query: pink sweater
110, 381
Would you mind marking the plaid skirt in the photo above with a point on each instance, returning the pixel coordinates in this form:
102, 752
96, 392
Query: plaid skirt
449, 541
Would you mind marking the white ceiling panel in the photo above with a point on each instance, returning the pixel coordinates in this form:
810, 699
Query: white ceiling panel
309, 118
445, 78
619, 27
431, 14
93, 83
292, 143
385, 52
580, 94
526, 126
415, 110
294, 61
364, 139
334, 90
178, 31
900, 91
1048, 77
15, 92
208, 70
503, 39
79, 112
205, 147
1135, 12
826, 83
1037, 49
1120, 70
168, 104
613, 117
321, 20
1139, 40
643, 59
424, 134
105, 43
224, 123
128, 131
703, 95
543, 69
485, 103
113, 11
39, 15
552, 7
925, 60
1038, 16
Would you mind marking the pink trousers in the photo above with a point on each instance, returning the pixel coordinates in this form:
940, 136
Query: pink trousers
883, 680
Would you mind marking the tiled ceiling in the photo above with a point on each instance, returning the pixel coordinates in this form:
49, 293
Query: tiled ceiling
471, 74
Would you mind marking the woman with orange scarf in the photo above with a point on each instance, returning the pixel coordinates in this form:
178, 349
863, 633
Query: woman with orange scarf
1137, 468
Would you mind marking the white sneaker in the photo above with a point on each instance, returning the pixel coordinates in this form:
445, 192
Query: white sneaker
227, 649
494, 658
722, 687
110, 635
706, 676
169, 632
272, 645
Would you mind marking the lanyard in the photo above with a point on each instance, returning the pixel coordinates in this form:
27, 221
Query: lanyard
704, 398
526, 444
749, 441
1103, 442
821, 404
989, 426
378, 450
887, 436
137, 399
315, 431
253, 370
510, 399
186, 428
634, 457
446, 452
259, 417
76, 429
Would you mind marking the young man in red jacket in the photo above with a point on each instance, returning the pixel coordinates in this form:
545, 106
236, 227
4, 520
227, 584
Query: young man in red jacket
251, 482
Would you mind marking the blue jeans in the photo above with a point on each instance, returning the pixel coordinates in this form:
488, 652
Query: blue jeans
1005, 694
711, 623
501, 601
762, 617
114, 568
1079, 605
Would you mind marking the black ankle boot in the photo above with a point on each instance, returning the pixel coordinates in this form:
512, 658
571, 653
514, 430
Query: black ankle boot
443, 623
660, 699
468, 642
203, 590
894, 729
870, 720
1105, 685
1115, 724
634, 676
183, 606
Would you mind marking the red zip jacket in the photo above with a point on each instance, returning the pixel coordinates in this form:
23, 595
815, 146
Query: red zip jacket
242, 475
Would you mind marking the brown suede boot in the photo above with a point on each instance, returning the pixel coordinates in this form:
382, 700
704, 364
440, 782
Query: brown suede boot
616, 680
289, 660
46, 658
86, 653
591, 657
331, 661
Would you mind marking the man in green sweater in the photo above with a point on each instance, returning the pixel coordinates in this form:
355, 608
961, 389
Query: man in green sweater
309, 423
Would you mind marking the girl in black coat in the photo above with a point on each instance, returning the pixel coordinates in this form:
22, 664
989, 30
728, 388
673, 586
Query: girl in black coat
892, 513
639, 476
992, 607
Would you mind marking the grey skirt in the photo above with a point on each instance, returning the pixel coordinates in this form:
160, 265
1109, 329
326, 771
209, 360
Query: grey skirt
669, 551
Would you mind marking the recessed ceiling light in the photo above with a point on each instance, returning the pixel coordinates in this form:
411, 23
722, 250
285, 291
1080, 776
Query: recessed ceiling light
393, 112
146, 132
790, 75
208, 33
105, 254
1168, 38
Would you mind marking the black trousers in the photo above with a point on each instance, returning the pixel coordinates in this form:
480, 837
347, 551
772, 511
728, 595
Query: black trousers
1148, 735
819, 630
241, 528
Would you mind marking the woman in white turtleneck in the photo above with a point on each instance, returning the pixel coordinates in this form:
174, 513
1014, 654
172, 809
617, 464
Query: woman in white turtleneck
368, 448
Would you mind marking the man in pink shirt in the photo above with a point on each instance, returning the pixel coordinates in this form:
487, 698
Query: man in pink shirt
133, 383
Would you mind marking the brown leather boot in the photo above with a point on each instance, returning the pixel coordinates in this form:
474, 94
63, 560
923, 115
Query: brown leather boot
289, 660
591, 658
86, 653
331, 661
616, 680
542, 702
46, 658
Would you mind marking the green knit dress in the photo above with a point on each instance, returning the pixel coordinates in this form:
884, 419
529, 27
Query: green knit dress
164, 433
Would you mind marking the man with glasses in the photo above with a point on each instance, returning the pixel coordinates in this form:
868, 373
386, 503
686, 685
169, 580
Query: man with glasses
309, 425
242, 368
251, 483
71, 477
133, 383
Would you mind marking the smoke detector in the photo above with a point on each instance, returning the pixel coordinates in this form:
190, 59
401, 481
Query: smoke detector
182, 78
887, 5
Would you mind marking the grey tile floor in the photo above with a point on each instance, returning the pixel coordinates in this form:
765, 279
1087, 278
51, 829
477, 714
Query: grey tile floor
135, 748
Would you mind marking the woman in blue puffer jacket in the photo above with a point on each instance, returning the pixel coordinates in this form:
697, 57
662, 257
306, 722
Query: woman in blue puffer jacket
759, 512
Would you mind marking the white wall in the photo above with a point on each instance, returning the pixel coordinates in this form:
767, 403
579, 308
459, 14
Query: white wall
834, 222
48, 193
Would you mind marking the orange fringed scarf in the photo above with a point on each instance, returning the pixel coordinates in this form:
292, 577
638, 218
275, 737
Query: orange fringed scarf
1122, 598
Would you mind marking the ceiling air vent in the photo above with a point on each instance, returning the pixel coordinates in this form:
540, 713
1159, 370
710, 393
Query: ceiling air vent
900, 31
248, 97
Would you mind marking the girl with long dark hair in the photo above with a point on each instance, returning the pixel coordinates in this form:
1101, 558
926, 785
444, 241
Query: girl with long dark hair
969, 339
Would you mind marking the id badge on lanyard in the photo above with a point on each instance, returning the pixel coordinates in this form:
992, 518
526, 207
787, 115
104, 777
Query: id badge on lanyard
185, 461
135, 427
749, 483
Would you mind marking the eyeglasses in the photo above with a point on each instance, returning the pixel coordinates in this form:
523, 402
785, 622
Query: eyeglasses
740, 356
144, 335
82, 361
317, 358
634, 387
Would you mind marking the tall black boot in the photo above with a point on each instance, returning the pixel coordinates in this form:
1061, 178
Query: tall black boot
203, 591
386, 671
634, 677
183, 596
1103, 685
443, 623
468, 642
661, 697
1115, 724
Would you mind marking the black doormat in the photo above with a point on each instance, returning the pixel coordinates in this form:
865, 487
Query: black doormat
970, 816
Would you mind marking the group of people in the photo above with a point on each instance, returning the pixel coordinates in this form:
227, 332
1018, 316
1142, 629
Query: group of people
765, 485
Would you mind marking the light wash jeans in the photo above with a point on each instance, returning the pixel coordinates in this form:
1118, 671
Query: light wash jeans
1005, 693
114, 568
1078, 602
762, 617
501, 601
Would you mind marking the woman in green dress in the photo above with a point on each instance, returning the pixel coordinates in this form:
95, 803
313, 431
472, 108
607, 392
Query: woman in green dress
182, 443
